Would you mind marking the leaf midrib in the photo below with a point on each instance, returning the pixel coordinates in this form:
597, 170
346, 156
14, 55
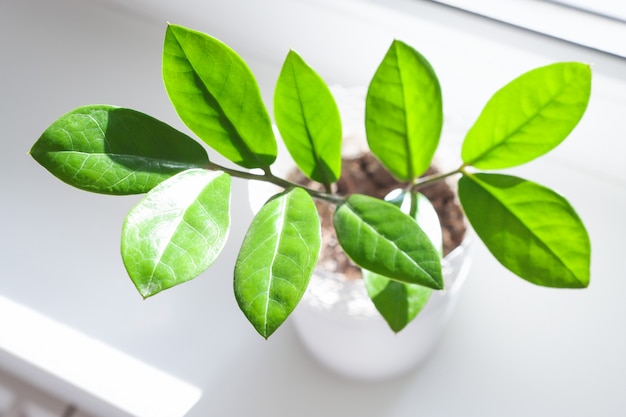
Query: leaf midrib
180, 220
407, 141
170, 163
280, 221
393, 243
505, 139
521, 222
248, 154
305, 117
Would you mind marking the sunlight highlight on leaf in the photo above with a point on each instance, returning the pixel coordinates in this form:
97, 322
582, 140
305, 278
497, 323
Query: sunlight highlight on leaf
112, 150
276, 259
177, 231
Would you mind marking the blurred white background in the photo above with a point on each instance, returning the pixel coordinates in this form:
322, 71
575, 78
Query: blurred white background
512, 349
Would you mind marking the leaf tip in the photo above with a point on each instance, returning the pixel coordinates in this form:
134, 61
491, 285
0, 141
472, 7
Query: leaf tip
265, 331
396, 329
144, 294
583, 282
146, 291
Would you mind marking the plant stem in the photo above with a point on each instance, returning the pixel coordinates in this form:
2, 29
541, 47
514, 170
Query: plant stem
413, 209
430, 179
281, 182
326, 196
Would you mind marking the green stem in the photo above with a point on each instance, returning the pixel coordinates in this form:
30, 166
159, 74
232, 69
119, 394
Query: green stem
413, 209
430, 179
281, 182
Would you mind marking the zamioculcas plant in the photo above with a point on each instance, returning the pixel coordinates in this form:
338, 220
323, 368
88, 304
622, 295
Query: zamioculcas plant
178, 230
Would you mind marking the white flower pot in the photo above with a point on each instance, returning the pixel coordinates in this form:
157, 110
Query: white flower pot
342, 329
336, 320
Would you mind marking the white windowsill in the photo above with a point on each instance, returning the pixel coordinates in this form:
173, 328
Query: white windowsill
91, 374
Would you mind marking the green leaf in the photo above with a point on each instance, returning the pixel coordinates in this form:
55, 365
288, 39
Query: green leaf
529, 116
308, 120
404, 112
399, 303
276, 259
530, 229
177, 231
112, 150
423, 212
380, 238
216, 95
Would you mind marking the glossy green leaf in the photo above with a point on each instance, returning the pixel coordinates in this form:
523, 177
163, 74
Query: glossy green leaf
398, 302
404, 112
276, 259
423, 212
216, 95
308, 120
112, 150
530, 229
380, 238
177, 231
529, 116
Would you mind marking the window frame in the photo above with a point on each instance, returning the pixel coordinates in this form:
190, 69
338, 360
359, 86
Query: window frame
602, 32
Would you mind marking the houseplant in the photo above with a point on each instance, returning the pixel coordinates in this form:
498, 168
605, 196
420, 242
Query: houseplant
336, 320
179, 229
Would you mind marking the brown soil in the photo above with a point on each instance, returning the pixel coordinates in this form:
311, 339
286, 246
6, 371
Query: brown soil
365, 175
